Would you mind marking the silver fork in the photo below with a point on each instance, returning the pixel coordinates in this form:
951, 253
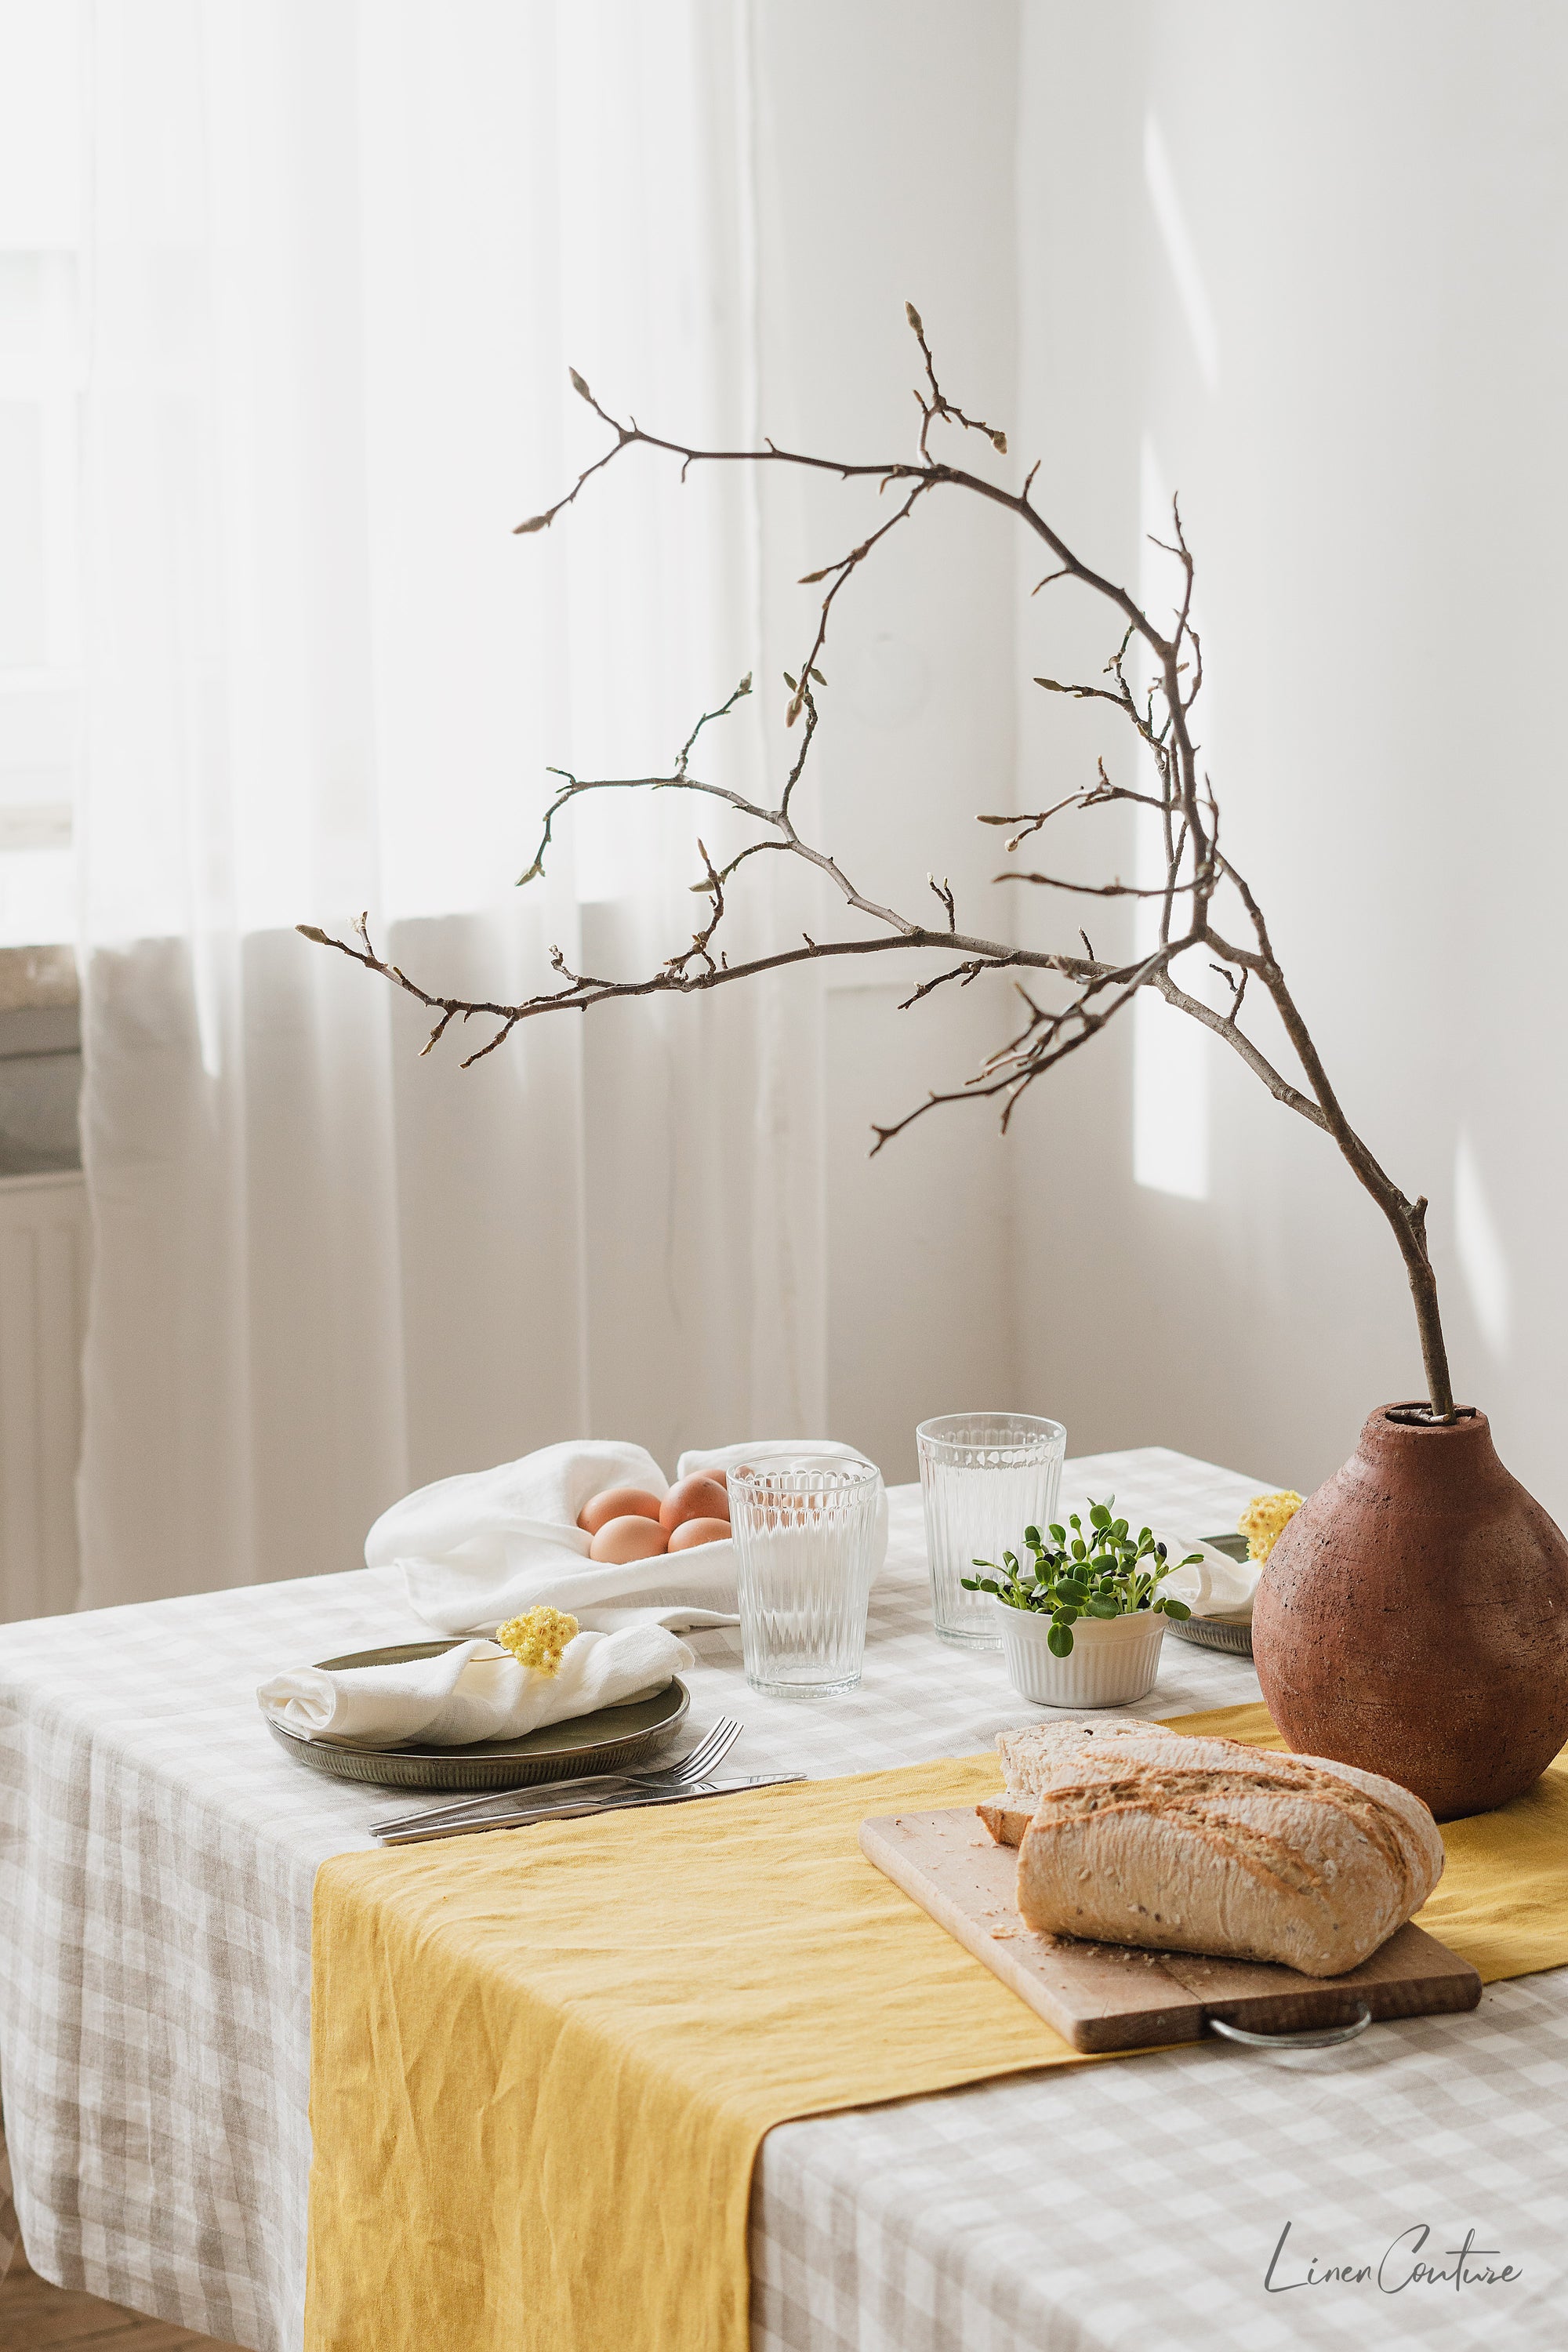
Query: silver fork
586, 1805
697, 1765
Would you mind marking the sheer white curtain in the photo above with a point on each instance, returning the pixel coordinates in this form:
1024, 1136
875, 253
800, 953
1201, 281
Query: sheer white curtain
340, 257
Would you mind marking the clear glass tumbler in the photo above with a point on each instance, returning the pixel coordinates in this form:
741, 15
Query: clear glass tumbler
804, 1529
985, 1478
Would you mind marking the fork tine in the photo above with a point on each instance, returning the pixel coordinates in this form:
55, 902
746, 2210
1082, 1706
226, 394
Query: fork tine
719, 1743
732, 1733
702, 1755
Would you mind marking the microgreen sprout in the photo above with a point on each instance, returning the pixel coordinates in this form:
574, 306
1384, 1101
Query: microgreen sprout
1104, 1570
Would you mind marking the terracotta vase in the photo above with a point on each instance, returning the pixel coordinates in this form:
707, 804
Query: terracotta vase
1412, 1618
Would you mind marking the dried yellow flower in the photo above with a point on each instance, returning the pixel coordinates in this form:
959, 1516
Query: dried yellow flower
538, 1639
1264, 1522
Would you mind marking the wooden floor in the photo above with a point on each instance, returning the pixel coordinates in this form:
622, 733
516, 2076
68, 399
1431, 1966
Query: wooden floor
35, 2317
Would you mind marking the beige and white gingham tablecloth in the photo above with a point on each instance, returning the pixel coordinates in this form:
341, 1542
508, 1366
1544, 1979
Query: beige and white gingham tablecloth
157, 1851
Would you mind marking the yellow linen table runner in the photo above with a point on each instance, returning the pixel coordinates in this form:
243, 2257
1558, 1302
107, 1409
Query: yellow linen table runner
542, 2060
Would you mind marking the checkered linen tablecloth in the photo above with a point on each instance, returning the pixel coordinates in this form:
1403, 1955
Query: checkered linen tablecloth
157, 1854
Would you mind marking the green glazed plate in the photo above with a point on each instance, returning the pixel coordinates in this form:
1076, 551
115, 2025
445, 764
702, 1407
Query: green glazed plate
611, 1740
1213, 1632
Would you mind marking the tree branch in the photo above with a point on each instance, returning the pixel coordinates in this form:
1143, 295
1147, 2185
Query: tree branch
1158, 708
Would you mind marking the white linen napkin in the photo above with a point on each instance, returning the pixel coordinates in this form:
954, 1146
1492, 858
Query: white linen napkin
474, 1691
492, 1544
1230, 1583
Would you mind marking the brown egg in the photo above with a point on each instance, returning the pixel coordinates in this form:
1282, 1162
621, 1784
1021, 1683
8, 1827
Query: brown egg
697, 1498
720, 1478
631, 1537
616, 1503
692, 1532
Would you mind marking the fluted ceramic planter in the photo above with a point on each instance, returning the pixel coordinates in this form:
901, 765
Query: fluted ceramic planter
1113, 1661
1412, 1618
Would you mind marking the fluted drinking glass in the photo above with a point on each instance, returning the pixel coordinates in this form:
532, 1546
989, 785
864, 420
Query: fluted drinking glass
985, 1477
804, 1531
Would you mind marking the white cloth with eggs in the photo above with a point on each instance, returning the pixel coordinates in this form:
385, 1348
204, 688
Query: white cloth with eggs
492, 1544
473, 1691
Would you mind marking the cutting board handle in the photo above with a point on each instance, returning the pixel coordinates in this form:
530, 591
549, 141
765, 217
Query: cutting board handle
1320, 2038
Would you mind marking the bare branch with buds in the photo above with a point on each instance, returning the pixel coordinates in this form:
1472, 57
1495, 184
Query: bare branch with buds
1152, 681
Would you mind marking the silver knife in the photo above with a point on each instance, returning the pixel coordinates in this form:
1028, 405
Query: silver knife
474, 1811
579, 1808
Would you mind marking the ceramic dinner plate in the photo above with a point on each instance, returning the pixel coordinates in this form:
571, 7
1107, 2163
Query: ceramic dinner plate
1213, 1632
611, 1740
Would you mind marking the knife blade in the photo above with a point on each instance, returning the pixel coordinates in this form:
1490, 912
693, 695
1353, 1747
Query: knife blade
621, 1801
474, 1811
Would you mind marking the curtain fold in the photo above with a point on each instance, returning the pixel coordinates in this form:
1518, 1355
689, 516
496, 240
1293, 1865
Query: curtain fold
340, 257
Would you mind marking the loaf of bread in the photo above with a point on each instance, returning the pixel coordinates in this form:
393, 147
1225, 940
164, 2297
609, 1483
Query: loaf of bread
1141, 1836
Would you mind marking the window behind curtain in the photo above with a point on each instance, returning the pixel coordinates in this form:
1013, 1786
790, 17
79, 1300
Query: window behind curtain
41, 370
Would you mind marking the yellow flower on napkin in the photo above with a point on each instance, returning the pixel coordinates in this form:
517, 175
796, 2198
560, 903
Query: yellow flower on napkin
538, 1639
1264, 1522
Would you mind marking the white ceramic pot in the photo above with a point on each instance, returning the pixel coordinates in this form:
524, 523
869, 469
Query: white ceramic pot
1113, 1659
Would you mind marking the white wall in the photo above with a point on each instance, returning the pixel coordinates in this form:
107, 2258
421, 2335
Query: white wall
1375, 210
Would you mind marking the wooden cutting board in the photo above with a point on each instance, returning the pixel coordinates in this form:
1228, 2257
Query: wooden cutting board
1112, 1997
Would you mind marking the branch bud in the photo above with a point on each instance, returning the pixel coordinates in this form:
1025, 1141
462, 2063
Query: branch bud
999, 443
535, 523
579, 387
913, 316
309, 932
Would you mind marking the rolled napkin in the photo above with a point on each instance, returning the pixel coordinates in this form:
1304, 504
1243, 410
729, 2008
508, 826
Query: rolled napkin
1231, 1583
473, 1691
492, 1544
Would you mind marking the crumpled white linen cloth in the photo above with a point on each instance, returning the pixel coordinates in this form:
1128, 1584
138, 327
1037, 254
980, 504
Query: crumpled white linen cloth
1231, 1584
491, 1544
474, 1691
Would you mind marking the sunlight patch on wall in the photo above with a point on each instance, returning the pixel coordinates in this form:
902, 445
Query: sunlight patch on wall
1180, 251
1170, 1101
1483, 1261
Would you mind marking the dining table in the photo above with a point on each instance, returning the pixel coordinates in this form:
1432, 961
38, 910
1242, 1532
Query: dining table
158, 1851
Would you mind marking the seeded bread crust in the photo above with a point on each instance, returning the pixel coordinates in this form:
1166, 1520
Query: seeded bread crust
1206, 1846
